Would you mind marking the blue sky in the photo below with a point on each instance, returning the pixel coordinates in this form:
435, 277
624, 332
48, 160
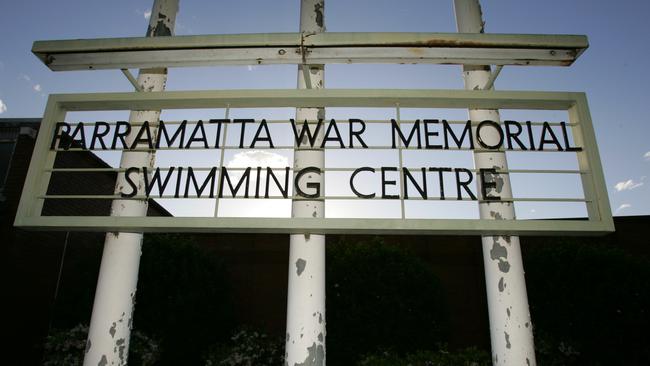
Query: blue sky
611, 71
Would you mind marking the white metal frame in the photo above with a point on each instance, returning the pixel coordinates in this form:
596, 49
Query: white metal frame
596, 199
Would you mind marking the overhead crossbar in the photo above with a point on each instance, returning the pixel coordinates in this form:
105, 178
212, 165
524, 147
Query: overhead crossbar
297, 48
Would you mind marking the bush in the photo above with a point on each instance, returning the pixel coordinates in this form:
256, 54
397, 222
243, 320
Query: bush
465, 357
589, 302
247, 348
380, 297
183, 298
66, 348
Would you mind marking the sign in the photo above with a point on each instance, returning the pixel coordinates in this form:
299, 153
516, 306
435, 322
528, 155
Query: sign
428, 181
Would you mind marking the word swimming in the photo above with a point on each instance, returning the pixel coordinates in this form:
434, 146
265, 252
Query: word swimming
183, 182
430, 134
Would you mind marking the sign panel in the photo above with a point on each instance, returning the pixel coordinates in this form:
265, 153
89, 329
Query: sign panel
415, 160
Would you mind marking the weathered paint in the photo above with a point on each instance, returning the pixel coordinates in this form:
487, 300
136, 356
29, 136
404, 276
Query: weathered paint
305, 343
511, 338
110, 325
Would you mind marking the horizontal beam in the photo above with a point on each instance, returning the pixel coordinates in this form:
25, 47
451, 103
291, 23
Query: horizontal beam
316, 225
324, 48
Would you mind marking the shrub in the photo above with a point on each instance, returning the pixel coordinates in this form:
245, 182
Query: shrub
380, 297
589, 303
247, 347
66, 348
465, 357
183, 298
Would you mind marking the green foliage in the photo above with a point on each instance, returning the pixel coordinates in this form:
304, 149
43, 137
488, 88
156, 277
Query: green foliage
589, 302
380, 297
247, 347
66, 348
465, 357
183, 298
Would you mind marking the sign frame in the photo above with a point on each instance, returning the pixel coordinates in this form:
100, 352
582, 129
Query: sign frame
596, 199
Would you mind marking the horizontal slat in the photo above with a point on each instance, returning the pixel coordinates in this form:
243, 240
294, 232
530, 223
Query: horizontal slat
117, 197
199, 169
318, 226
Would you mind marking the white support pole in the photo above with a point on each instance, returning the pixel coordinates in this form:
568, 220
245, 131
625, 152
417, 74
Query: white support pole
511, 330
305, 339
110, 325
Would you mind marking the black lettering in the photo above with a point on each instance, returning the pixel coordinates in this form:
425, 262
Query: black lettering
210, 178
546, 128
179, 133
567, 144
305, 131
337, 138
464, 184
243, 129
58, 133
148, 186
385, 183
422, 189
448, 131
415, 130
98, 135
428, 133
233, 191
283, 189
120, 135
440, 179
357, 134
218, 138
82, 137
130, 182
479, 138
485, 184
314, 185
265, 127
354, 174
200, 130
514, 135
144, 129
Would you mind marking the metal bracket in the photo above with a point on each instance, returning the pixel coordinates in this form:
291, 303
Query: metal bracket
493, 76
133, 80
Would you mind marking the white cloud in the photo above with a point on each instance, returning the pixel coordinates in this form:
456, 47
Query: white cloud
3, 107
251, 67
622, 207
25, 77
646, 156
627, 185
255, 158
147, 14
38, 87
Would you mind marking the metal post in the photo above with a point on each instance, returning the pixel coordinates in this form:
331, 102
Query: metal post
511, 331
110, 325
305, 340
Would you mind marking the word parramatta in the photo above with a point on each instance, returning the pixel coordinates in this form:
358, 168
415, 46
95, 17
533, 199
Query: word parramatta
429, 134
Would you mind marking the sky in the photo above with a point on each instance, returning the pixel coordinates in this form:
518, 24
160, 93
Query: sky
611, 71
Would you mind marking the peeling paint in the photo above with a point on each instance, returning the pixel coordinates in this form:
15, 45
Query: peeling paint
103, 361
508, 345
315, 356
502, 285
504, 266
498, 251
300, 266
318, 9
112, 330
88, 345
